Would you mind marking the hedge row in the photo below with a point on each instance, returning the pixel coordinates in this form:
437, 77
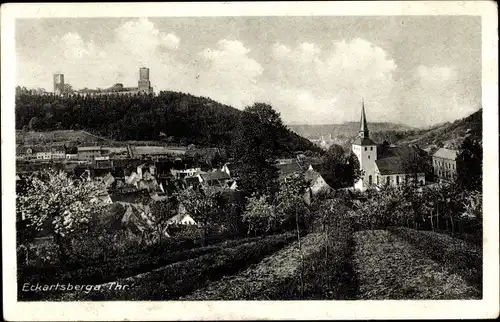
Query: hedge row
390, 268
116, 268
456, 254
282, 276
178, 279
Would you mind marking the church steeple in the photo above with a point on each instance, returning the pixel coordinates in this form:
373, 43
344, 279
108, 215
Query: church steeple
363, 131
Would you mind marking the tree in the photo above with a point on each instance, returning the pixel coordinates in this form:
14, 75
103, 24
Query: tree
256, 148
340, 168
470, 165
64, 206
161, 212
201, 204
416, 161
33, 124
290, 204
260, 215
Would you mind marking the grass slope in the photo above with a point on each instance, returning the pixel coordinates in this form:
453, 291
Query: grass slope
181, 278
389, 268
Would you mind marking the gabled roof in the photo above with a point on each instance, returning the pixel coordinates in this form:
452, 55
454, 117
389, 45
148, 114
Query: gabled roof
108, 179
446, 154
285, 169
311, 176
230, 166
150, 185
392, 165
134, 196
215, 175
364, 141
181, 219
89, 148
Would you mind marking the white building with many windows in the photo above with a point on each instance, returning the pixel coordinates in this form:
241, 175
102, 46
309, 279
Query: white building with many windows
445, 164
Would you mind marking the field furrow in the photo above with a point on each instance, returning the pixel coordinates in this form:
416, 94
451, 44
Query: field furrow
388, 267
292, 273
181, 278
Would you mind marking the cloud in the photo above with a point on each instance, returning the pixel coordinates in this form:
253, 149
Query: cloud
228, 74
141, 38
231, 60
435, 74
74, 47
433, 94
331, 83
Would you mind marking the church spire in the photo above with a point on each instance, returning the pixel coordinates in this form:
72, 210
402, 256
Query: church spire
363, 131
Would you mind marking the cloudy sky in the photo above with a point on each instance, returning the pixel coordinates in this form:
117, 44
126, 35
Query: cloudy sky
412, 70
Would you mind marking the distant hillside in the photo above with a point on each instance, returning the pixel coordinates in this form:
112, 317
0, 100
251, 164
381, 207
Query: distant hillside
173, 117
450, 134
347, 129
61, 137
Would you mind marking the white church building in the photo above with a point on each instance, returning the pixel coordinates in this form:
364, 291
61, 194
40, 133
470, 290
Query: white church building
379, 170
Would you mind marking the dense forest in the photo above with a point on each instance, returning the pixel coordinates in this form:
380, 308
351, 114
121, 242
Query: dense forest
173, 116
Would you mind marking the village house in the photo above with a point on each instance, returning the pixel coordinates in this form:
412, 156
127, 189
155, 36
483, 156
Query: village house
215, 178
89, 152
183, 173
24, 153
182, 218
43, 154
58, 152
379, 170
230, 169
444, 164
285, 169
316, 182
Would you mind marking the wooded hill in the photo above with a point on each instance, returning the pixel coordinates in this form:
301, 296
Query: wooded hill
171, 116
450, 134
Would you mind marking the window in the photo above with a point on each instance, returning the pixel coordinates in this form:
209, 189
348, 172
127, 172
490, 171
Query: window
397, 179
370, 179
378, 180
371, 148
388, 180
368, 157
366, 148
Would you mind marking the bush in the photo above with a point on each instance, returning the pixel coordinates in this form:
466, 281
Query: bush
178, 279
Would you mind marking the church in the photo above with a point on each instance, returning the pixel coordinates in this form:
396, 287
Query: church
381, 164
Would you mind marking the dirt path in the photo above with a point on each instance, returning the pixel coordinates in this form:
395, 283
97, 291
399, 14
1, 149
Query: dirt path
390, 268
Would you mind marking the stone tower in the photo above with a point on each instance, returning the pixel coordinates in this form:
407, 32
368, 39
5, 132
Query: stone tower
144, 83
58, 84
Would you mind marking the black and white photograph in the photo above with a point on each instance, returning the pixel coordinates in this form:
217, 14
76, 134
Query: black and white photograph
244, 153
